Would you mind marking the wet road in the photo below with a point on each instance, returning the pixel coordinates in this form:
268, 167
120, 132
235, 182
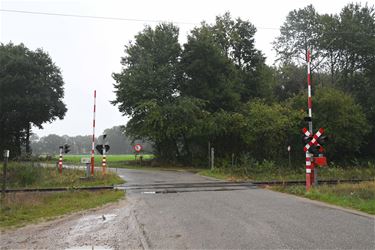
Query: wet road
181, 210
211, 214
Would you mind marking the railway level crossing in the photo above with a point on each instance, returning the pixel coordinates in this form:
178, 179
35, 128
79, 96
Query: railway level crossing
312, 143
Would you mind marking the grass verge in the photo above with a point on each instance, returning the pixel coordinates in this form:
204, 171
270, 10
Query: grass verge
19, 209
27, 175
284, 174
76, 159
359, 196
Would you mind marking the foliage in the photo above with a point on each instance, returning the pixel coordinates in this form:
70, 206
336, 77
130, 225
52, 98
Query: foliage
274, 125
216, 89
118, 141
300, 32
342, 119
194, 95
31, 88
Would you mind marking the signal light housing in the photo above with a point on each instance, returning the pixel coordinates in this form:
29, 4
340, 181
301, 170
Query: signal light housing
66, 148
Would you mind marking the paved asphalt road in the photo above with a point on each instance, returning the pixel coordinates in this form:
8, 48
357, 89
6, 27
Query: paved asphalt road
210, 214
181, 210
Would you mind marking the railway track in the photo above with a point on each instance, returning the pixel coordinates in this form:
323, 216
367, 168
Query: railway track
186, 187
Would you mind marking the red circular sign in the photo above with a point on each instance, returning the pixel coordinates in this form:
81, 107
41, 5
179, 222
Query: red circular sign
137, 147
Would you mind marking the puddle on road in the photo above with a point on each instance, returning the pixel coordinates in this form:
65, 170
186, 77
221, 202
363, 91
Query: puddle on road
88, 222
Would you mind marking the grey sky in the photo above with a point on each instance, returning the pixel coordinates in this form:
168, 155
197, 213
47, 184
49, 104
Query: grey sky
88, 50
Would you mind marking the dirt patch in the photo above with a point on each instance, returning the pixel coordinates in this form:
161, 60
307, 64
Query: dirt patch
110, 227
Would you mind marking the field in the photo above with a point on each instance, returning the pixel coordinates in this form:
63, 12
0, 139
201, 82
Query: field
76, 159
25, 175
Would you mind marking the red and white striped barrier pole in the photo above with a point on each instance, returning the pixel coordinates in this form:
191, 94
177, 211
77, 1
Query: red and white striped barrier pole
93, 138
60, 161
104, 161
309, 157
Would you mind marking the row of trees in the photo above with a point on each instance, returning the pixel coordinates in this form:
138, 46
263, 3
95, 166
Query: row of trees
31, 91
119, 143
217, 88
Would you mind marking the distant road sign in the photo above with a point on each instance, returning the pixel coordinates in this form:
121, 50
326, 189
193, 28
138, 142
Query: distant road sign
138, 147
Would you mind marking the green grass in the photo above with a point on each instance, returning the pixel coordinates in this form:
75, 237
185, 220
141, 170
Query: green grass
285, 174
358, 196
19, 209
25, 175
76, 159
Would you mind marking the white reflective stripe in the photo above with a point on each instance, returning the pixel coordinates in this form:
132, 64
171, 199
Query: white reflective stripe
310, 113
309, 90
307, 133
308, 163
318, 134
308, 171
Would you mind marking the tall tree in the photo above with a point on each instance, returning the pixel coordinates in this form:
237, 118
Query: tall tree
209, 74
149, 83
301, 31
31, 88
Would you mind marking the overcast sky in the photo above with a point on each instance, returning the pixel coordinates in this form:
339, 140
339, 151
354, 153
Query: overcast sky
89, 50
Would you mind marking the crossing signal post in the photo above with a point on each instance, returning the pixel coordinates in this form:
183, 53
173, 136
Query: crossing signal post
60, 159
66, 148
103, 149
312, 142
62, 149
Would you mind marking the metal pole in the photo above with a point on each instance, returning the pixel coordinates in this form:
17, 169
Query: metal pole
309, 157
104, 161
6, 156
93, 138
60, 160
309, 99
209, 154
212, 158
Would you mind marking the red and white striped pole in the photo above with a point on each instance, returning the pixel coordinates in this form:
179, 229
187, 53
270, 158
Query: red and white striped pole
309, 156
93, 138
104, 160
60, 161
309, 99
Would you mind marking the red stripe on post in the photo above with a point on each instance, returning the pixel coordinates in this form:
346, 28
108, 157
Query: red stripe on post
309, 102
308, 55
308, 79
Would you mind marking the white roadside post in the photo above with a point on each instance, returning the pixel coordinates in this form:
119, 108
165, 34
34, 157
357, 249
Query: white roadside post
6, 157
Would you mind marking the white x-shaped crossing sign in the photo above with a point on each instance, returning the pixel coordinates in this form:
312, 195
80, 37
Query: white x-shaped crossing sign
314, 140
